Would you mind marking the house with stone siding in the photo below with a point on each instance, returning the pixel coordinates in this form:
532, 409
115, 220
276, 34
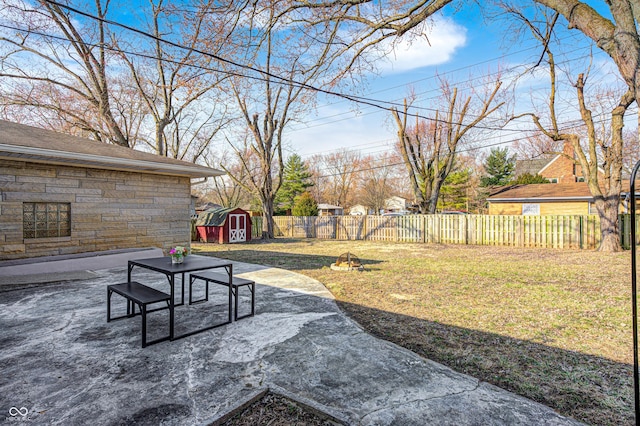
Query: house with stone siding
61, 194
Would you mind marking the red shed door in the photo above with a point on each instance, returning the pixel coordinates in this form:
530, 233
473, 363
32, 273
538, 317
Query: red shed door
237, 228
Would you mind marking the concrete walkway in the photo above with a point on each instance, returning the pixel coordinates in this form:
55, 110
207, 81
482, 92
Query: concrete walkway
62, 363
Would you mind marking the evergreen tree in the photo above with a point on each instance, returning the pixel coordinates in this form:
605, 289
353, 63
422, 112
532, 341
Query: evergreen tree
499, 167
453, 195
528, 178
305, 205
295, 181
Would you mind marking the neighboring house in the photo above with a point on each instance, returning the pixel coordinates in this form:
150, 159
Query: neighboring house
559, 168
61, 194
566, 194
330, 210
542, 199
548, 199
532, 166
360, 210
396, 204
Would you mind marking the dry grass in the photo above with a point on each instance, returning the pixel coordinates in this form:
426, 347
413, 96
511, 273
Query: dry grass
551, 325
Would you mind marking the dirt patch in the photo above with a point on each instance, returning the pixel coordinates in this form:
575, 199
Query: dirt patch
276, 410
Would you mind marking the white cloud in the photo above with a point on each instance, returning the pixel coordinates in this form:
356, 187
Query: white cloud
340, 127
435, 46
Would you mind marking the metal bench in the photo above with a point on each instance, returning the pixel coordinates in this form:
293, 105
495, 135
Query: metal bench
141, 295
223, 279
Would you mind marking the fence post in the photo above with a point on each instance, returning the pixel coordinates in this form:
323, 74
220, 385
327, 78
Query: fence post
625, 231
465, 221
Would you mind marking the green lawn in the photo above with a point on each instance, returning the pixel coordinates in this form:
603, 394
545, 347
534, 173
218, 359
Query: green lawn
551, 325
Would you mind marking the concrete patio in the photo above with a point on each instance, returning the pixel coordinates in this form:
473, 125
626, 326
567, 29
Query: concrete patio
62, 363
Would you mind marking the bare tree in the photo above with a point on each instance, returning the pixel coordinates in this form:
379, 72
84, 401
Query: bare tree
601, 157
175, 83
341, 171
536, 145
429, 148
223, 189
66, 79
371, 24
77, 79
376, 181
320, 180
290, 61
618, 37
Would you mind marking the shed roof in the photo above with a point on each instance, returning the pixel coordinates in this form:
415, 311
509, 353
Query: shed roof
26, 143
215, 217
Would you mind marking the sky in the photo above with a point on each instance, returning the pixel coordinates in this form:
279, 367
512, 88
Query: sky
460, 46
341, 124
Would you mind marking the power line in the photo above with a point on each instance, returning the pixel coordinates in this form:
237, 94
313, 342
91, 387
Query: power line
376, 103
289, 81
237, 74
418, 107
403, 163
324, 123
371, 102
560, 39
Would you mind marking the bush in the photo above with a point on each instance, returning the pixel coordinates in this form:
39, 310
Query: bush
305, 205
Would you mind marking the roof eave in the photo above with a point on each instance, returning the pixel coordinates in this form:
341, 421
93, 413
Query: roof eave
529, 199
47, 156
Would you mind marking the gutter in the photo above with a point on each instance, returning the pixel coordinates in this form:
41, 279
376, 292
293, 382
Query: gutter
199, 182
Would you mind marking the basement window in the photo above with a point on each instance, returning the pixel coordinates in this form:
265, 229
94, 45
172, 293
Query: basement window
46, 220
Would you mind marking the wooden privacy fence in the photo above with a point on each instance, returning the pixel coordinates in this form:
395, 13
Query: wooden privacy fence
575, 231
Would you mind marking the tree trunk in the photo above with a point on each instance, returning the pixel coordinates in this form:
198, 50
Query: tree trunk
267, 218
609, 229
160, 141
433, 202
423, 207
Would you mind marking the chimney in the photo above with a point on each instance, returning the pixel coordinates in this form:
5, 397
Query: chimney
567, 149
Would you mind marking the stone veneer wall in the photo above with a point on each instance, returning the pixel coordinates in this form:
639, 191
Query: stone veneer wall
109, 209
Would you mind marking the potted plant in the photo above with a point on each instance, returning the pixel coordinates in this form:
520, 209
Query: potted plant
178, 254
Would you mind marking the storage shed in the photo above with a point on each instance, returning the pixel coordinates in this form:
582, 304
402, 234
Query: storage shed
224, 225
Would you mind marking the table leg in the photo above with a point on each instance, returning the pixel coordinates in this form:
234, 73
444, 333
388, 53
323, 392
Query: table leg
171, 320
130, 306
182, 299
172, 280
109, 304
230, 272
